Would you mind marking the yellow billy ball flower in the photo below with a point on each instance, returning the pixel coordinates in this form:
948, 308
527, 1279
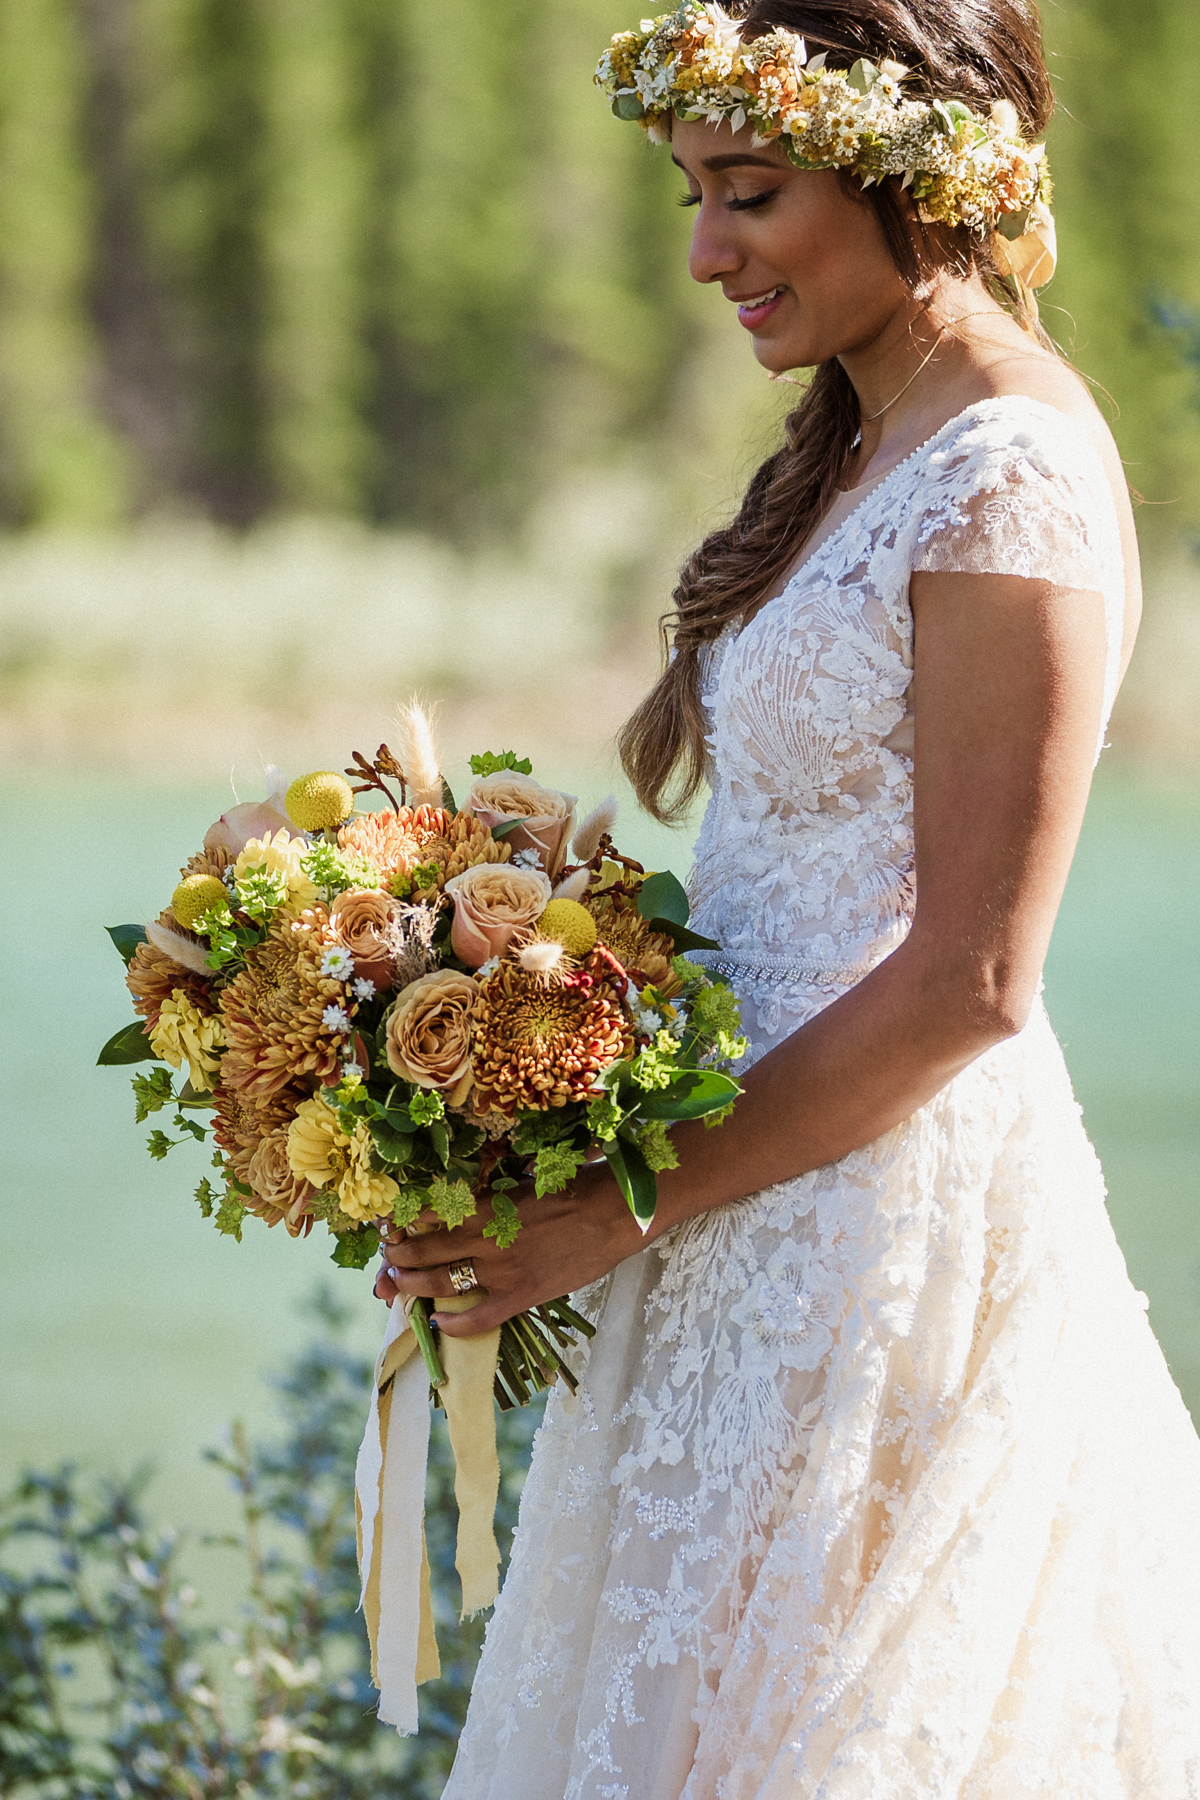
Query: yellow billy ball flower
196, 895
184, 1034
319, 802
570, 925
320, 1152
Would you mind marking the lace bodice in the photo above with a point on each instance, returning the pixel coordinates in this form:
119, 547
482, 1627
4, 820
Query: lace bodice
805, 857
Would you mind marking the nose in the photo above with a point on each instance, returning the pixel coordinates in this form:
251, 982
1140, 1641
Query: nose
714, 252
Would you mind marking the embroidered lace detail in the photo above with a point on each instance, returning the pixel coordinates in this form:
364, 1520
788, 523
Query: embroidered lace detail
876, 1486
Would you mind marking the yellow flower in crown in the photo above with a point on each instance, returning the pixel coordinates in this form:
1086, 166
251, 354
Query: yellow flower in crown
182, 1033
321, 1152
276, 853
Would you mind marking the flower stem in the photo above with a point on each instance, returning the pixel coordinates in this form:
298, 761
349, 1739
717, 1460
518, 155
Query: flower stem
418, 1318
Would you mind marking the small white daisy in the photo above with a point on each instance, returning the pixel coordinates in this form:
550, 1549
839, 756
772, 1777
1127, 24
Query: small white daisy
335, 1018
338, 963
526, 859
364, 989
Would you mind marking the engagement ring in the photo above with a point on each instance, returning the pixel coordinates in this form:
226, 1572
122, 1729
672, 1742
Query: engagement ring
462, 1277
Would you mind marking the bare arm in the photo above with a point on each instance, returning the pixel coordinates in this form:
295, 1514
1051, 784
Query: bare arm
1007, 696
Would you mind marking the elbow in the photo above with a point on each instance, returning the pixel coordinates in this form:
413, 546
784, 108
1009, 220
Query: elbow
983, 1000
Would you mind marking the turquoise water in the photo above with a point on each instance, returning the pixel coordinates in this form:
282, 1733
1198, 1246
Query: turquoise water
132, 1332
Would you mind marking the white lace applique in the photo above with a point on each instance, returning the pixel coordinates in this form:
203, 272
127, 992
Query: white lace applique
876, 1487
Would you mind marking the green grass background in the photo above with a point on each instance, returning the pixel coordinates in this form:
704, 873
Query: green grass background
133, 1333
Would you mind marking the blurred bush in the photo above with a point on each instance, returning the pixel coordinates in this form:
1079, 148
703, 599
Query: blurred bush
113, 1684
394, 261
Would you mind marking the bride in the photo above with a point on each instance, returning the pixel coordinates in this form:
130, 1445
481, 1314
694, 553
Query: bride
877, 1485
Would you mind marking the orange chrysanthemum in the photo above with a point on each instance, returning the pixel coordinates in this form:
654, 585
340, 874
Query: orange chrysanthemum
539, 1042
396, 843
240, 1124
153, 977
273, 1011
643, 952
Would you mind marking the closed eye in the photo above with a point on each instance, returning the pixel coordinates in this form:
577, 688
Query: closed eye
689, 200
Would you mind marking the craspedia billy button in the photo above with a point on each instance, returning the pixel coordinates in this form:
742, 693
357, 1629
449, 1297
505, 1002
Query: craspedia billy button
570, 925
320, 801
196, 895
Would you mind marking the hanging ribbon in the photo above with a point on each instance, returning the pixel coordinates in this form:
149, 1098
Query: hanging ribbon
390, 1502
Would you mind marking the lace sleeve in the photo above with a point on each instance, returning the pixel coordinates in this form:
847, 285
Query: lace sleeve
1034, 504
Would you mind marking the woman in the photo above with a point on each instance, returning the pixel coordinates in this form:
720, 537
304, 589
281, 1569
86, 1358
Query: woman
877, 1484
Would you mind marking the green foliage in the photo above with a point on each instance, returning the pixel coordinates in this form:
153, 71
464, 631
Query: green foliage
129, 1045
556, 1167
654, 1142
115, 1681
452, 1201
206, 1198
354, 1249
425, 1108
505, 1222
126, 938
491, 762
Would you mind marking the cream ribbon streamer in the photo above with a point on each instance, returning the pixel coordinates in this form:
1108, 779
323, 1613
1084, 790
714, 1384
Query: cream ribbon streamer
390, 1502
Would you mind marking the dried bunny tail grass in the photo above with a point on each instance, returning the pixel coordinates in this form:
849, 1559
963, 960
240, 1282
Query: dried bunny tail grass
544, 957
598, 824
189, 953
419, 757
575, 885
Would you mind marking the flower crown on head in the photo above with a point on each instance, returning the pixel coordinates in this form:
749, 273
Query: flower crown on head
961, 169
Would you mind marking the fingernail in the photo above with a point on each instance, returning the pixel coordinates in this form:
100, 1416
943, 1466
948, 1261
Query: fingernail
395, 1274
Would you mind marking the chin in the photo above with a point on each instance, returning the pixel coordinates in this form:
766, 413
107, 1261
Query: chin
777, 355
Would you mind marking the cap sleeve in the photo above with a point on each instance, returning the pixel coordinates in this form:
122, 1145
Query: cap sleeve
1030, 499
1021, 490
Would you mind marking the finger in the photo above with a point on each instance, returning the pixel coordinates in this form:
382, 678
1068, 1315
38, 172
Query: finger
428, 1284
485, 1317
418, 1253
384, 1288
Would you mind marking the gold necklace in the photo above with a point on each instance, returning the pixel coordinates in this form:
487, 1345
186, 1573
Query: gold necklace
870, 418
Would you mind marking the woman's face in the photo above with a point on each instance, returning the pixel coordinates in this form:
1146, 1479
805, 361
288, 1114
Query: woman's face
804, 262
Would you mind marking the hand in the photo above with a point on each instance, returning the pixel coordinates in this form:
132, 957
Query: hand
566, 1241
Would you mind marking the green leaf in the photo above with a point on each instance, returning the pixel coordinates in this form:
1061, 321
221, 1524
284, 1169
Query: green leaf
1012, 225
126, 938
439, 1137
190, 1096
635, 1178
448, 800
505, 826
491, 762
505, 1221
862, 76
356, 1248
628, 107
129, 1045
190, 1125
691, 1096
394, 1146
681, 937
663, 897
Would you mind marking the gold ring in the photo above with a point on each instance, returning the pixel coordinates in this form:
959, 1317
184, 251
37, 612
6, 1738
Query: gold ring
463, 1278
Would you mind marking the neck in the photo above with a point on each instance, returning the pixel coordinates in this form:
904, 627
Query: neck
902, 375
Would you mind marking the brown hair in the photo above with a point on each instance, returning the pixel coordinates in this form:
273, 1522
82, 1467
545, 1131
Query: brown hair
972, 50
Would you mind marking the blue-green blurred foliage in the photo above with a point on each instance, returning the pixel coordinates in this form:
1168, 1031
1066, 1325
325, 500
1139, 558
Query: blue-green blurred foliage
394, 260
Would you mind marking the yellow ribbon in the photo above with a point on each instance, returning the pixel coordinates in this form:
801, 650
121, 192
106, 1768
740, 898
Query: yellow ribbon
401, 1657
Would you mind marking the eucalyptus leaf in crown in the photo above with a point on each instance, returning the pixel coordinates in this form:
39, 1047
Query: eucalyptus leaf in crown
961, 169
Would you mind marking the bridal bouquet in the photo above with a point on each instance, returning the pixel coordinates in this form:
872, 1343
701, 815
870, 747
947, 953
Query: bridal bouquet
392, 1016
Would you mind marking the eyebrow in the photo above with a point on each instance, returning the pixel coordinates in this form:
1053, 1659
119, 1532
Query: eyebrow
733, 160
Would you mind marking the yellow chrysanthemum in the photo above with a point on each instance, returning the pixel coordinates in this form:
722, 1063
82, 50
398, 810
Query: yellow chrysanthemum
278, 853
320, 1152
183, 1034
320, 801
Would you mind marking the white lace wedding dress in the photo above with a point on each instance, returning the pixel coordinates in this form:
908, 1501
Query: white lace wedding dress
877, 1487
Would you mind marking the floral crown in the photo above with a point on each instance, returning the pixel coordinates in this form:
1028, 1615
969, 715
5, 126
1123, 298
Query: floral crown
961, 169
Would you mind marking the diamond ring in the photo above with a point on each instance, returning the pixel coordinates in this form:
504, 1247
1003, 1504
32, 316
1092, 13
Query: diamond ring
463, 1278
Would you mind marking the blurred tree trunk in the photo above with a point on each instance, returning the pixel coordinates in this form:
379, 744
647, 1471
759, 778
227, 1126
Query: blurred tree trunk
61, 461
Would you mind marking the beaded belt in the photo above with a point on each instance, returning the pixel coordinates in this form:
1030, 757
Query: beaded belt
796, 971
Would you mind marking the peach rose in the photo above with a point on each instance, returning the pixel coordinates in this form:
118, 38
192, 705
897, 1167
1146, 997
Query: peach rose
279, 1193
252, 819
429, 1034
492, 902
548, 817
363, 922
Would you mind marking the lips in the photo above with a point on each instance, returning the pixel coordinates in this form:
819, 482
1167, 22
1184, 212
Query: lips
752, 312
